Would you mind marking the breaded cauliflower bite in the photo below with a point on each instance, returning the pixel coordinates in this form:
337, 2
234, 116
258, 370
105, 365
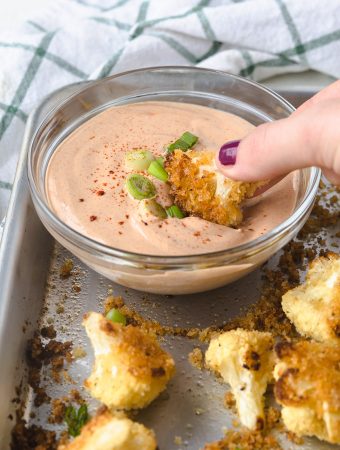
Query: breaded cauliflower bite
112, 432
245, 360
308, 388
130, 369
200, 190
314, 307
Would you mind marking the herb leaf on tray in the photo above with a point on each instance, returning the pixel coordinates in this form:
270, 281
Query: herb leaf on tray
75, 420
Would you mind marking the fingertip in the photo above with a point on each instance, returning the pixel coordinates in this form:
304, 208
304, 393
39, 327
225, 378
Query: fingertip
235, 171
225, 159
227, 171
228, 153
235, 160
268, 151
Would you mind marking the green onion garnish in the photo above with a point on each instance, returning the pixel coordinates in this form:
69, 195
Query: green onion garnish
160, 160
140, 187
138, 159
186, 141
158, 171
116, 316
149, 208
175, 211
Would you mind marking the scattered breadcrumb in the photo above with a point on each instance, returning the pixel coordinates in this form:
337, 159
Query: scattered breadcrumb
63, 438
66, 268
76, 288
78, 352
48, 332
30, 437
321, 217
245, 440
229, 401
135, 319
178, 440
38, 354
57, 414
58, 405
294, 438
266, 314
196, 358
273, 418
75, 396
41, 396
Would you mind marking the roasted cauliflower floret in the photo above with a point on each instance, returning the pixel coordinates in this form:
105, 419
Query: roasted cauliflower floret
307, 386
130, 369
314, 307
112, 432
245, 360
200, 190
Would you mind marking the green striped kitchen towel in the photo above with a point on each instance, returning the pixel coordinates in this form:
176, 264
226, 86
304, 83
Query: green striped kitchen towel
76, 40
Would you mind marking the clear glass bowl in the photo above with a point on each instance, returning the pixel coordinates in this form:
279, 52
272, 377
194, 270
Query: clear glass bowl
172, 274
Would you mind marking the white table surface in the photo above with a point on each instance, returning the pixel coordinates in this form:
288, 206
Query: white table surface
16, 11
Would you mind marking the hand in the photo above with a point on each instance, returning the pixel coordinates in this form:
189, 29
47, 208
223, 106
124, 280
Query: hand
309, 137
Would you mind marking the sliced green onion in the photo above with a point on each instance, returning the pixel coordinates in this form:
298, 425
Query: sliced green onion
149, 209
140, 187
175, 211
186, 141
158, 171
160, 160
116, 316
138, 159
189, 138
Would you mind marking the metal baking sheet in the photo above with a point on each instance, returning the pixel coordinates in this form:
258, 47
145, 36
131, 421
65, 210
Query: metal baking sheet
191, 409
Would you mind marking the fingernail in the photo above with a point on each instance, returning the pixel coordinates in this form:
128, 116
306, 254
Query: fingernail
228, 153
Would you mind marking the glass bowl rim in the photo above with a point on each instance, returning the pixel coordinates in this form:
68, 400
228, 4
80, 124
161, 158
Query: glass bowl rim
90, 245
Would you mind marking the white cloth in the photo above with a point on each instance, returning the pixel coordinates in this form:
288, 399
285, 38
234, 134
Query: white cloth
75, 40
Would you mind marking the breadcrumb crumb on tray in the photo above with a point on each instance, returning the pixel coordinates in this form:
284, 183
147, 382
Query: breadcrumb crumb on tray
245, 440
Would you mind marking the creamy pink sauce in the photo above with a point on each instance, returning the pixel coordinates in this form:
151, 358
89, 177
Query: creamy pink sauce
86, 175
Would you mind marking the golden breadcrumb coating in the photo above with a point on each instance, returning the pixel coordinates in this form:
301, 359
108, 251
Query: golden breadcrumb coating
200, 190
130, 369
314, 307
307, 385
244, 440
108, 431
245, 359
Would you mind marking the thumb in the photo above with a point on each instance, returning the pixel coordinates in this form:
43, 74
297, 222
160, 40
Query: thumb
273, 149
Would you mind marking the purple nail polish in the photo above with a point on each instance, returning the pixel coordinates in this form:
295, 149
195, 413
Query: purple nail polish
228, 152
